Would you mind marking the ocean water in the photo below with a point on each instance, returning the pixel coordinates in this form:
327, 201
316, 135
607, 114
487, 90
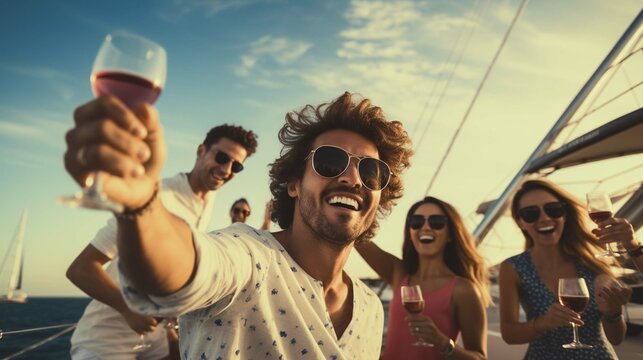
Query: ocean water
39, 312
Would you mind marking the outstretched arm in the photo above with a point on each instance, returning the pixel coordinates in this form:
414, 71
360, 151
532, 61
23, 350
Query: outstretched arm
267, 220
87, 273
386, 265
128, 148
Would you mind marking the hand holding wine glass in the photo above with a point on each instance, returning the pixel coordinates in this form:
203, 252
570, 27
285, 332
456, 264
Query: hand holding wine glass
132, 69
599, 206
573, 293
413, 302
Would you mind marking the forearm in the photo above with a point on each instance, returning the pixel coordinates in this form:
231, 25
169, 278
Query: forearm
156, 250
460, 353
614, 330
98, 285
522, 332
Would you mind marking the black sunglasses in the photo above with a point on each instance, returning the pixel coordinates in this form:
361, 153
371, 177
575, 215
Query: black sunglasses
331, 161
223, 158
238, 211
554, 210
437, 222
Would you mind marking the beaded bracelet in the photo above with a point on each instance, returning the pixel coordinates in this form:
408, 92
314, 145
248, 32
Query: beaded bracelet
636, 252
132, 214
612, 319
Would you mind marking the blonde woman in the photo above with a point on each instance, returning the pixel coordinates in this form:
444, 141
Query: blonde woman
559, 244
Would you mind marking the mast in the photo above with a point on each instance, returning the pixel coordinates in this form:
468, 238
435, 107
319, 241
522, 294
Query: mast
15, 281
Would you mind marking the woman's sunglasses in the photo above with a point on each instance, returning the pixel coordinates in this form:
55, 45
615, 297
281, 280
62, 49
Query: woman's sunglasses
554, 210
223, 158
331, 161
436, 222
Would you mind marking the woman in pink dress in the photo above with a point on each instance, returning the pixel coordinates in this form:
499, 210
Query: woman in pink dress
439, 255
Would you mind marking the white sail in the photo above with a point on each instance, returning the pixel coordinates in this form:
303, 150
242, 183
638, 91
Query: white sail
15, 279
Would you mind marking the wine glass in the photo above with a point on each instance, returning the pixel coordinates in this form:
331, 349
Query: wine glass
414, 303
599, 206
142, 344
572, 293
133, 69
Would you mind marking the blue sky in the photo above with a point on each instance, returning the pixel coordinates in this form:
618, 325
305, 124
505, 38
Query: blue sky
249, 62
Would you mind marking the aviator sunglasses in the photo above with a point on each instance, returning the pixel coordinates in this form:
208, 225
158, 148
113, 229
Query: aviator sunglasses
554, 210
436, 222
223, 158
331, 161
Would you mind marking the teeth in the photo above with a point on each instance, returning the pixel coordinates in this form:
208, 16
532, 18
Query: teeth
546, 228
344, 201
427, 237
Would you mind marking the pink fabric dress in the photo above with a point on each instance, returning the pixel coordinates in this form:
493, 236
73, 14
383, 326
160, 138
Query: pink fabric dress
436, 306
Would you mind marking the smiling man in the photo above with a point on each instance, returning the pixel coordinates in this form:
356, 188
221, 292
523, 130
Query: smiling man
109, 329
248, 293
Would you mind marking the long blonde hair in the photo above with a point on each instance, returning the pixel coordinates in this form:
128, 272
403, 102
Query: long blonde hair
577, 240
460, 254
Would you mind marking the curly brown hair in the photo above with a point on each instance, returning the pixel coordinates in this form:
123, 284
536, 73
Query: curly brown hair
304, 126
246, 138
577, 240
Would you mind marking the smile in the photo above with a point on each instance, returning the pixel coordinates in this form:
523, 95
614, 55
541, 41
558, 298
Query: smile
344, 202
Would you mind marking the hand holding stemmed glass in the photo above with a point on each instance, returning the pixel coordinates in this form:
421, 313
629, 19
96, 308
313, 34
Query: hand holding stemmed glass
599, 206
413, 302
132, 69
573, 294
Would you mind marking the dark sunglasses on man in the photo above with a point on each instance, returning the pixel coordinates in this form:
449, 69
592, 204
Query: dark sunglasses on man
554, 210
222, 158
331, 161
238, 211
436, 222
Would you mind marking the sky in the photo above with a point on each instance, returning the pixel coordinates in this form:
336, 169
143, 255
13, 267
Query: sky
249, 62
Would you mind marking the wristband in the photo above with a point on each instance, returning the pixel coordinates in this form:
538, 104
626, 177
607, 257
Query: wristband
636, 252
612, 319
449, 349
132, 214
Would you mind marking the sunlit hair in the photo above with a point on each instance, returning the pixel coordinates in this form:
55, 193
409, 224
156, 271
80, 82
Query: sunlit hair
460, 254
304, 126
246, 138
238, 201
577, 240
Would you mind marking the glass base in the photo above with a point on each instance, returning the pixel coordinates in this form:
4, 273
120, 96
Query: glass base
577, 345
139, 347
89, 199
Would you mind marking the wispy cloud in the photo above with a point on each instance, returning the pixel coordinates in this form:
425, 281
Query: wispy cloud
208, 8
61, 82
268, 52
35, 126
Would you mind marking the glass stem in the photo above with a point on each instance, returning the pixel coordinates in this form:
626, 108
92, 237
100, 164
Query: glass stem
575, 327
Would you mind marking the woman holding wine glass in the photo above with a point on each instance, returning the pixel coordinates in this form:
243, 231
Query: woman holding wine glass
559, 281
439, 259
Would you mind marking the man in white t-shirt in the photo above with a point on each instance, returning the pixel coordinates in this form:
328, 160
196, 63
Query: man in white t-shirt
109, 329
246, 293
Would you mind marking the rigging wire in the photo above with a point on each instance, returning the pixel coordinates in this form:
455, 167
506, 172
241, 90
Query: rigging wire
452, 73
42, 342
475, 97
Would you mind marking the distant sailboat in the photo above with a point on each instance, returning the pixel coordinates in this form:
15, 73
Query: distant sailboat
14, 294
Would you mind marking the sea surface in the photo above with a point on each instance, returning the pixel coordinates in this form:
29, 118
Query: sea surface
39, 312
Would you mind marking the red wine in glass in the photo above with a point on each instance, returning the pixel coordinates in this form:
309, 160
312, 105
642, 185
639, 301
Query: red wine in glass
131, 89
599, 206
599, 216
576, 303
573, 293
414, 306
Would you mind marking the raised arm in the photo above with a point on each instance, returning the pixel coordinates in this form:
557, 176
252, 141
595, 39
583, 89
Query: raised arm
155, 247
87, 273
387, 266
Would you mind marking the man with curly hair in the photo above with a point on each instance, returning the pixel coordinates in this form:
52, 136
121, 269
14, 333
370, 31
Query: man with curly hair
108, 329
242, 292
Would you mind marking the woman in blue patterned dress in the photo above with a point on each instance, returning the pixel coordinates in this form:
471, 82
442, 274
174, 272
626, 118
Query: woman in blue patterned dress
559, 244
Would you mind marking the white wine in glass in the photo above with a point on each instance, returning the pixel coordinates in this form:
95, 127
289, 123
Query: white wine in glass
132, 69
573, 294
413, 302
